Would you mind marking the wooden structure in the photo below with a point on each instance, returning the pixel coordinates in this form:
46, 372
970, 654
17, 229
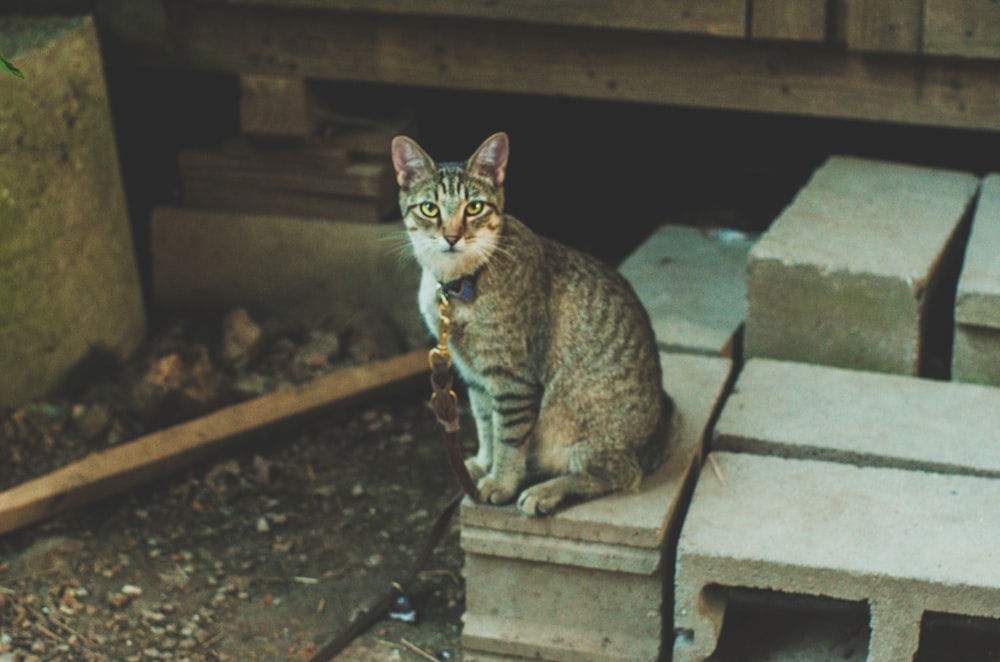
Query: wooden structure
934, 62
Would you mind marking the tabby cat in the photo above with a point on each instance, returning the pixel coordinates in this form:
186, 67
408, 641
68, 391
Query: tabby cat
558, 354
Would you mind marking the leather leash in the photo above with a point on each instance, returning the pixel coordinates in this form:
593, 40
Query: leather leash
445, 405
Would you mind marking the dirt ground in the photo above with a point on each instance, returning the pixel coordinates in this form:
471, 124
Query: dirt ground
260, 553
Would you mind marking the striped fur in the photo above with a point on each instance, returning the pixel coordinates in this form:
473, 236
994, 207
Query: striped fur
558, 354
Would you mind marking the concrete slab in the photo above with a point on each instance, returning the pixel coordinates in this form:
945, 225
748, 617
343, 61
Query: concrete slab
850, 273
977, 301
905, 542
816, 412
587, 582
309, 269
693, 283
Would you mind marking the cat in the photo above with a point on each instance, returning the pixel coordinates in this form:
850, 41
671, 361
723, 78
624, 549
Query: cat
559, 357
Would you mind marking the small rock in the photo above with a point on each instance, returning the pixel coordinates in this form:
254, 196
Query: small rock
262, 525
242, 339
358, 490
90, 420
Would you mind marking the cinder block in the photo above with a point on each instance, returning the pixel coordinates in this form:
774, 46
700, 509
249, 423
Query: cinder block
850, 274
907, 543
977, 303
693, 284
586, 583
817, 412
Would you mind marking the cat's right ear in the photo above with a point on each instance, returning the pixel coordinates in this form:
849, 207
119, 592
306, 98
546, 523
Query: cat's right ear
410, 161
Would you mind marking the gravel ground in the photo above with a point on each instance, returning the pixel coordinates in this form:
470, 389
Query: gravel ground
258, 554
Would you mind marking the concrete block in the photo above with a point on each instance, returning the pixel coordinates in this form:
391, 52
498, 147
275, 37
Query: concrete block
693, 284
313, 270
873, 419
977, 303
69, 287
587, 582
851, 273
907, 543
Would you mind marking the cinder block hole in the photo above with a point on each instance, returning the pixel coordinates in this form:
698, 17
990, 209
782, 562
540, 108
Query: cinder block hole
948, 637
767, 625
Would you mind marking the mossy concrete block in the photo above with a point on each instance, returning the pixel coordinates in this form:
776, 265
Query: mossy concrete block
693, 283
69, 286
852, 272
306, 269
977, 303
587, 583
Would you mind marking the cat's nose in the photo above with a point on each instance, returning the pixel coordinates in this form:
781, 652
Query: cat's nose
452, 239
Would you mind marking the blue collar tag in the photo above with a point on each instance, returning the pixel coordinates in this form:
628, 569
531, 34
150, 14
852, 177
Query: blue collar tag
463, 288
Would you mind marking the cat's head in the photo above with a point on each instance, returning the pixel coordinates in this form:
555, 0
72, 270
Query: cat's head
453, 211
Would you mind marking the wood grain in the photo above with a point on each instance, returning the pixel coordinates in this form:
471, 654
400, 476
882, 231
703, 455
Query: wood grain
603, 64
795, 20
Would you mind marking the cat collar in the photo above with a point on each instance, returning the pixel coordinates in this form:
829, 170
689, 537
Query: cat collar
463, 288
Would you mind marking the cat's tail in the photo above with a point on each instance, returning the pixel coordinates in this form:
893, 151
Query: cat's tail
665, 436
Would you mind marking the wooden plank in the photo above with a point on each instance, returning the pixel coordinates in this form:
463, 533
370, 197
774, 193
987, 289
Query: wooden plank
599, 64
276, 106
225, 196
724, 18
284, 172
123, 467
967, 29
796, 20
884, 25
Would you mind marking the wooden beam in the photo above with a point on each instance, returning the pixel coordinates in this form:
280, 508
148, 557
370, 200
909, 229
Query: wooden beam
725, 18
795, 20
966, 29
884, 25
601, 64
123, 467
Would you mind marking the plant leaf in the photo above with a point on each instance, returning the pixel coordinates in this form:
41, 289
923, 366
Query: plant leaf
9, 67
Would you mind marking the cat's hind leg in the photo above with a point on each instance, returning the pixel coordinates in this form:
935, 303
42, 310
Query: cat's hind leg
593, 473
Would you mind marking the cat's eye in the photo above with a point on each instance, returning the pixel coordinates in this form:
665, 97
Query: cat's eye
474, 208
429, 209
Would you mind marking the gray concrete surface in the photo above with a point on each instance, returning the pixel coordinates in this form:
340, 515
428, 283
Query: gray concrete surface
306, 269
693, 283
905, 542
846, 275
977, 302
817, 412
587, 583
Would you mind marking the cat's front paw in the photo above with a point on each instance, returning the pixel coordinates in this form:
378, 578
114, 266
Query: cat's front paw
495, 492
539, 500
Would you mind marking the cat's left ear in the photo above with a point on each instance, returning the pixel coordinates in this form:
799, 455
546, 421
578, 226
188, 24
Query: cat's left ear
410, 161
490, 160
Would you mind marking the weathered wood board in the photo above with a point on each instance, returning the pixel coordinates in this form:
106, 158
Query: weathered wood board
153, 456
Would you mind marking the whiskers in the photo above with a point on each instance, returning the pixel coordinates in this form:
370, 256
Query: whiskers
397, 245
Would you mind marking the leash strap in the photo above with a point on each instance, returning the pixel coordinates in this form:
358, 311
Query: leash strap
445, 405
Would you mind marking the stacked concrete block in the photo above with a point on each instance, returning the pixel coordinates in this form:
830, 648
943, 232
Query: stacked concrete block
869, 488
907, 543
587, 582
693, 283
851, 273
976, 356
816, 412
